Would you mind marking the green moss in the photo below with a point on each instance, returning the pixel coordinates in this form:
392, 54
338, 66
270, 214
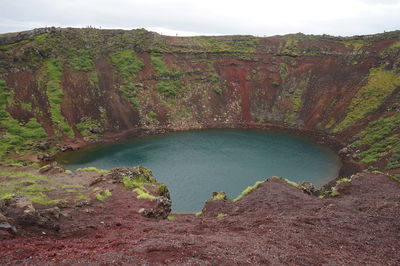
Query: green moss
128, 66
291, 47
343, 180
394, 162
218, 90
378, 138
18, 136
334, 192
161, 68
295, 105
40, 198
82, 60
82, 197
171, 218
169, 88
221, 215
380, 85
291, 182
356, 44
93, 169
219, 196
101, 196
52, 72
248, 190
87, 127
275, 84
142, 193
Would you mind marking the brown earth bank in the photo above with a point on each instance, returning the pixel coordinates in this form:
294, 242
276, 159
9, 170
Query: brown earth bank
274, 224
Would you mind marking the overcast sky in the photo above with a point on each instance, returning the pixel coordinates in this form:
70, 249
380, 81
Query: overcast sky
207, 17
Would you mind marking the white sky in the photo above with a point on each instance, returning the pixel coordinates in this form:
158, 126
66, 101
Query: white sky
207, 17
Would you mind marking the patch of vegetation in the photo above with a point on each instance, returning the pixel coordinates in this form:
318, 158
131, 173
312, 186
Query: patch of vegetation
356, 44
142, 193
51, 72
93, 169
395, 177
343, 180
378, 139
248, 190
218, 90
171, 217
161, 67
334, 192
197, 214
291, 47
102, 195
18, 136
89, 128
34, 187
275, 84
221, 215
291, 183
82, 60
219, 196
128, 65
169, 88
296, 102
394, 162
80, 197
381, 83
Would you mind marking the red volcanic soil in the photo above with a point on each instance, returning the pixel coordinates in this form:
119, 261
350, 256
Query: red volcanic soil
276, 224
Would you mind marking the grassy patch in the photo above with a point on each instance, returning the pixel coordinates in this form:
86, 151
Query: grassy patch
343, 180
17, 136
378, 138
394, 162
93, 169
102, 195
52, 72
142, 193
169, 88
334, 192
248, 190
87, 127
380, 85
82, 60
128, 65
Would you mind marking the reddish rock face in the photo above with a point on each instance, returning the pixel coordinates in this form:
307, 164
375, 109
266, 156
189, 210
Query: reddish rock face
121, 82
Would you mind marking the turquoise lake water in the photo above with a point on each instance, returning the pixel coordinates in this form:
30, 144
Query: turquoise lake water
193, 164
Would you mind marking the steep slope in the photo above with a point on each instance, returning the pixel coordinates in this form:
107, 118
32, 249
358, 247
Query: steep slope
66, 86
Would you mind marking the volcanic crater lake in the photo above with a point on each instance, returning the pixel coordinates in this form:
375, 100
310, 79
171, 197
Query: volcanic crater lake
193, 164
